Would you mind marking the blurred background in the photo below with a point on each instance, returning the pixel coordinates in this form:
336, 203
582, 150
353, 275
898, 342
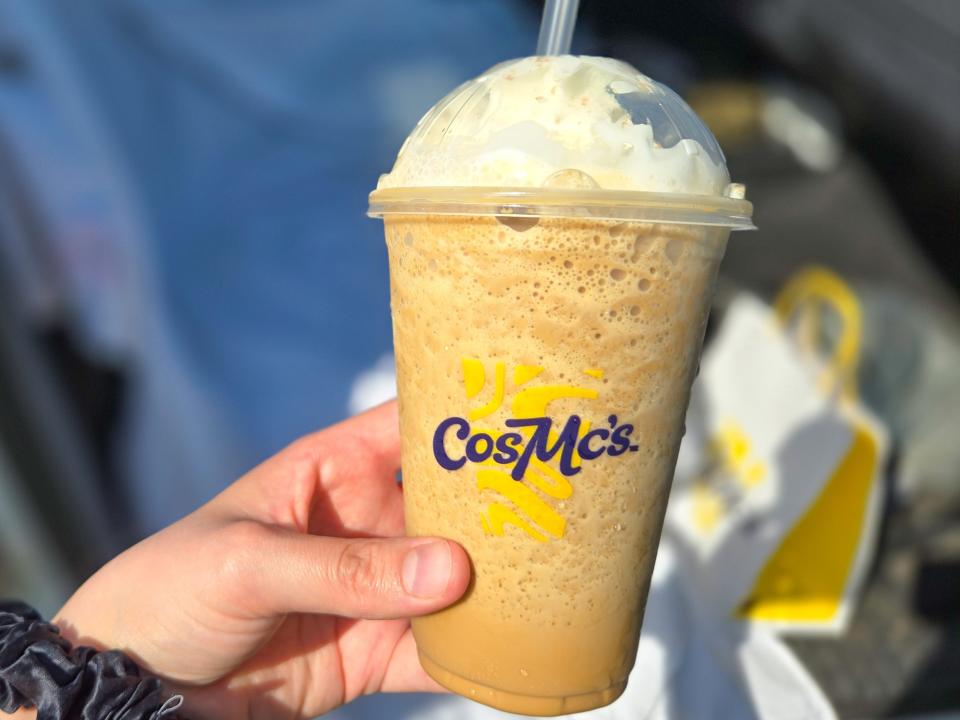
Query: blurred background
188, 280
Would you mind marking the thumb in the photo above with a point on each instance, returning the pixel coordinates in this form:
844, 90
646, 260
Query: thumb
358, 578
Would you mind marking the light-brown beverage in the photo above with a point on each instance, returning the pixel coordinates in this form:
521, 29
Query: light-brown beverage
501, 326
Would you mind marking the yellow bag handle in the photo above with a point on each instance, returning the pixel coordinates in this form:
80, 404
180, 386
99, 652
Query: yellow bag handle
818, 285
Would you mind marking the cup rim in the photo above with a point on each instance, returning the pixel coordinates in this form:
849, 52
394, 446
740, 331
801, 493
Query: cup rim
597, 204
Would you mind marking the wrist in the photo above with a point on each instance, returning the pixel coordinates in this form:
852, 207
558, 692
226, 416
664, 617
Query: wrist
83, 620
226, 699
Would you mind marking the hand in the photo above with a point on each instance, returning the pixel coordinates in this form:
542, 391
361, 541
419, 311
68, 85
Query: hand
286, 595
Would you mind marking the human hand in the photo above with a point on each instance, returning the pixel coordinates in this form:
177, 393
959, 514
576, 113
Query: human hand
287, 594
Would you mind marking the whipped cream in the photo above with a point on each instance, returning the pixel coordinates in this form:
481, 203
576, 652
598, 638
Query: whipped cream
566, 121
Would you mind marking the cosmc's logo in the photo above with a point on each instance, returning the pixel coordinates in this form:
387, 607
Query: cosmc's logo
523, 462
510, 448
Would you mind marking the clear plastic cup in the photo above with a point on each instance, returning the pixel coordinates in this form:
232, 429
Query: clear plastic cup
546, 341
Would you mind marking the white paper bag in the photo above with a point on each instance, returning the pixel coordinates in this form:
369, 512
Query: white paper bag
779, 484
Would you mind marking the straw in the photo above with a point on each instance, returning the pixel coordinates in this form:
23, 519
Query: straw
556, 28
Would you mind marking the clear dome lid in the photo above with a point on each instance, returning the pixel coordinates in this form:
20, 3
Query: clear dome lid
544, 131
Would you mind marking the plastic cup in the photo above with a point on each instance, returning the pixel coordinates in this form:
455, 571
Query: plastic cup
546, 340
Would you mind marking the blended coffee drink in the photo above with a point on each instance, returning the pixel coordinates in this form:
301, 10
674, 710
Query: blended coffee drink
554, 230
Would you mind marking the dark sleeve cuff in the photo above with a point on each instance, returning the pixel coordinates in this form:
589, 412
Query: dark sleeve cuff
39, 669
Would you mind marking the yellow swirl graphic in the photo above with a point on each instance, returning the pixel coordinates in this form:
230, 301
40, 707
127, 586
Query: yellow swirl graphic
497, 400
520, 504
529, 503
498, 515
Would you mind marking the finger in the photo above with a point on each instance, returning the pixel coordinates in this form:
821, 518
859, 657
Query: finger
379, 430
363, 452
404, 672
357, 578
347, 468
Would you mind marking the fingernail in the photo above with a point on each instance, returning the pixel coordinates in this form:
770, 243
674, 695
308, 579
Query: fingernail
426, 569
